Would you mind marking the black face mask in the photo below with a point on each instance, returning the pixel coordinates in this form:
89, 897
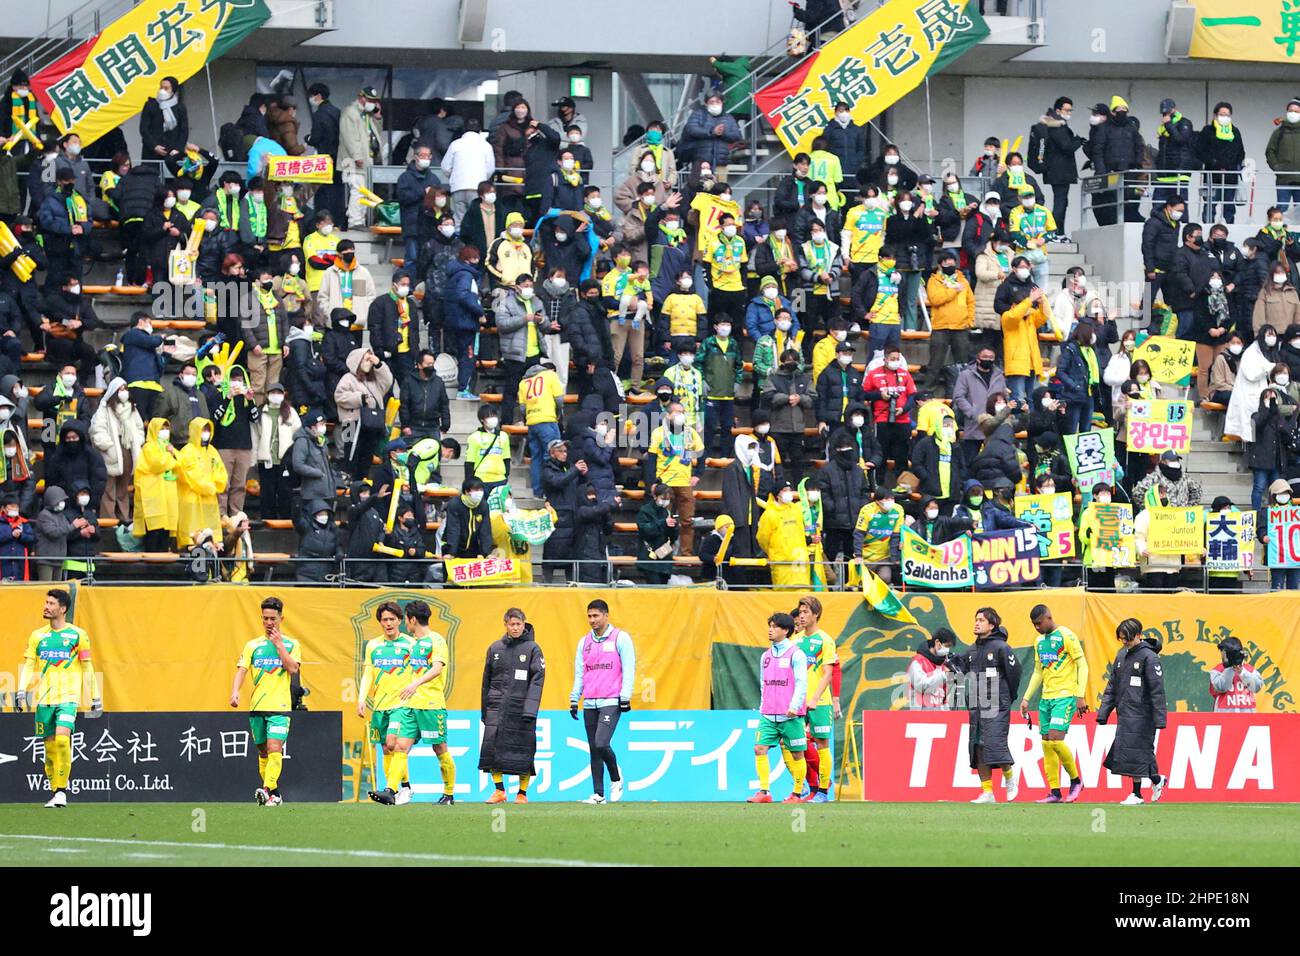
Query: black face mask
409, 522
788, 369
847, 455
949, 269
347, 256
984, 366
426, 371
1173, 474
664, 399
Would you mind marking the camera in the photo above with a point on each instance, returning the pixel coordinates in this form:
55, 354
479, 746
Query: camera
1235, 656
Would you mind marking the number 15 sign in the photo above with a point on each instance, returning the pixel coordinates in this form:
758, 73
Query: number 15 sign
1159, 425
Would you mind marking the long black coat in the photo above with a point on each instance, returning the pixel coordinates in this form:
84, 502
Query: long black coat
317, 547
1059, 166
1135, 692
741, 503
513, 675
844, 492
152, 133
992, 686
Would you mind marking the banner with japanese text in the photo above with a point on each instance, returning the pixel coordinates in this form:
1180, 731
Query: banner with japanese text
1230, 541
1159, 425
473, 572
1284, 536
1053, 516
301, 169
1004, 559
943, 566
1113, 542
1176, 530
1258, 31
869, 66
1092, 461
108, 78
1171, 360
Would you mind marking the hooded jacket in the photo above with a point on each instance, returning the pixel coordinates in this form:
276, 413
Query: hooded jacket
843, 485
462, 306
305, 374
352, 391
1059, 166
514, 672
79, 545
52, 528
365, 522
310, 462
318, 548
935, 460
200, 477
156, 495
1135, 693
466, 531
971, 394
1021, 320
993, 676
15, 547
76, 461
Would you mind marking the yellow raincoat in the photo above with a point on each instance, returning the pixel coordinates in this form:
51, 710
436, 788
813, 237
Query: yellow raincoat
200, 477
155, 483
781, 536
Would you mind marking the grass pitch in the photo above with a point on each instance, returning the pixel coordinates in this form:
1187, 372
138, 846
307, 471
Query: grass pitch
471, 834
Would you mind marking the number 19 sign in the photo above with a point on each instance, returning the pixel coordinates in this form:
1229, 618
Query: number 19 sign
1284, 537
1159, 425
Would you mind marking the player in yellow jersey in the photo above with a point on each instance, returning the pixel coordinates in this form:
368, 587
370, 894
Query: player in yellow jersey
424, 699
58, 656
1061, 670
272, 660
823, 706
384, 675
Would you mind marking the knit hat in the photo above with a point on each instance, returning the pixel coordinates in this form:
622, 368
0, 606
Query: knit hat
1118, 102
514, 219
311, 418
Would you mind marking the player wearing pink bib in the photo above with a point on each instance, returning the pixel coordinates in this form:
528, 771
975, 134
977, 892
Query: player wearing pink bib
604, 669
784, 676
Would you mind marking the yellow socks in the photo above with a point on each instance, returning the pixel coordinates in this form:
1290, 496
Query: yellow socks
1008, 773
1067, 759
764, 767
987, 785
448, 767
1052, 765
800, 772
261, 767
524, 779
50, 771
788, 759
274, 761
499, 781
396, 770
62, 761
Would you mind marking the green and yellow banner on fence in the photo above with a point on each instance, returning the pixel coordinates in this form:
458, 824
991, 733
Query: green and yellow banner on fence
1259, 31
869, 66
107, 79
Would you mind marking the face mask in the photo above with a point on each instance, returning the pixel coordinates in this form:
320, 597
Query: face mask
787, 497
949, 433
475, 498
275, 399
999, 407
516, 232
1022, 274
891, 160
1047, 490
491, 422
663, 502
623, 261
323, 520
1223, 120
1293, 116
559, 236
403, 291
647, 166
233, 189
188, 380
780, 235
20, 392
575, 138
931, 514
949, 269
724, 331
205, 437
1282, 499
267, 284
1275, 223
68, 380
820, 199
783, 325
818, 238
83, 500
844, 360
1235, 348
559, 283
715, 109
887, 504
1282, 380
895, 364
1103, 498
422, 164
886, 264
1176, 214
1127, 345
526, 292
728, 231
686, 283
1216, 283
984, 365
844, 118
1279, 278
370, 107
10, 452
762, 429
725, 197
1028, 202
857, 421
905, 206
1143, 379
325, 228
679, 419
320, 430
165, 435
687, 360
490, 198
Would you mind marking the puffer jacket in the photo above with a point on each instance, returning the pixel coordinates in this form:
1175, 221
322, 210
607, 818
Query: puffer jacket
989, 275
352, 392
512, 320
311, 463
1283, 153
116, 430
1177, 145
78, 461
1118, 144
790, 419
318, 548
137, 193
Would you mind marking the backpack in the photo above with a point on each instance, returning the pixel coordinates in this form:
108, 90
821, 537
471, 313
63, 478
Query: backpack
230, 140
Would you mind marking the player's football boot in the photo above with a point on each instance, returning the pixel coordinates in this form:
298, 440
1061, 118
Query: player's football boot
820, 797
1158, 789
1075, 790
615, 791
793, 798
594, 799
521, 797
761, 797
986, 796
260, 795
446, 800
1013, 786
404, 796
385, 796
1051, 798
498, 796
1132, 800
274, 800
60, 799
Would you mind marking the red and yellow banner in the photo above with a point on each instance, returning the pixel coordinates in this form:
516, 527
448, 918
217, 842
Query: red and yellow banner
108, 78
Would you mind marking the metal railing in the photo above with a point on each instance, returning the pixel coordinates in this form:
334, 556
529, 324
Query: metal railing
64, 34
1207, 191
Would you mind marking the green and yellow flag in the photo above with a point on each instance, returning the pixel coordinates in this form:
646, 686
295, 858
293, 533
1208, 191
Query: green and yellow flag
882, 598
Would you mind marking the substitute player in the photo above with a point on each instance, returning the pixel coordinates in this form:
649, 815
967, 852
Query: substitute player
604, 673
272, 659
58, 655
423, 714
819, 649
1061, 671
382, 680
784, 677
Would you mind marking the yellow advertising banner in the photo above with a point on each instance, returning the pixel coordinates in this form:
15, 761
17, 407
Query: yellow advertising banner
301, 169
1171, 360
1176, 531
1260, 31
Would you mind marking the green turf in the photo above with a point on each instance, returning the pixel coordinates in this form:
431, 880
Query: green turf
661, 834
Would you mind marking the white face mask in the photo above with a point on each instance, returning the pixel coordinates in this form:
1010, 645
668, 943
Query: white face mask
891, 160
6, 413
566, 164
820, 199
857, 421
294, 268
421, 164
725, 197
762, 429
895, 364
931, 514
74, 290
183, 195
516, 232
1216, 283
780, 235
325, 228
1235, 348
892, 179
594, 202
169, 202
320, 430
561, 236
1096, 120
787, 497
679, 419
905, 206
560, 283
1022, 274
275, 399
323, 519
1279, 278
1293, 116
68, 380
1143, 379
844, 118
403, 291
1176, 214
715, 109
490, 198
1282, 380
647, 165
1028, 202
729, 231
724, 331
1103, 498
783, 325
687, 360
839, 336
10, 452
476, 498
575, 138
165, 435
526, 292
686, 282
818, 238
844, 360
188, 380
1282, 499
83, 500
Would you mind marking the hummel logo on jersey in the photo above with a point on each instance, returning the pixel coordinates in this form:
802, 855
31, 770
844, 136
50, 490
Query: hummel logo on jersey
77, 909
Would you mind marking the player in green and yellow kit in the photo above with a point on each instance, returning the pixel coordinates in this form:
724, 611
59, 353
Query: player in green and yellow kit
424, 714
58, 655
272, 659
1061, 670
823, 708
385, 674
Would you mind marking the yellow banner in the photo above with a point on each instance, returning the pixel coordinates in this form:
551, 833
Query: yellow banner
471, 572
1261, 31
1171, 360
1159, 425
301, 169
1176, 531
1113, 544
1053, 516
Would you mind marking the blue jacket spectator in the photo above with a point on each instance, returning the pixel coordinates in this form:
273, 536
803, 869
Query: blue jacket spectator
760, 318
463, 307
700, 143
141, 361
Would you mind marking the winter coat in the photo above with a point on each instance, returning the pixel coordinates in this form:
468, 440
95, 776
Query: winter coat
82, 546
137, 193
12, 549
365, 524
318, 548
1189, 271
1117, 145
970, 396
1059, 166
514, 672
1177, 145
77, 462
466, 533
560, 486
997, 459
992, 686
304, 376
585, 328
180, 406
849, 143
1021, 321
152, 133
1278, 306
742, 504
926, 458
1159, 242
424, 406
353, 391
288, 426
913, 239
601, 460
1283, 153
52, 528
200, 478
282, 126
310, 461
330, 294
462, 307
844, 492
1135, 693
625, 194
951, 309
355, 127
512, 318
1220, 154
801, 227
117, 432
156, 497
653, 533
418, 221
790, 419
468, 161
592, 527
699, 144
1072, 371
837, 388
880, 378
